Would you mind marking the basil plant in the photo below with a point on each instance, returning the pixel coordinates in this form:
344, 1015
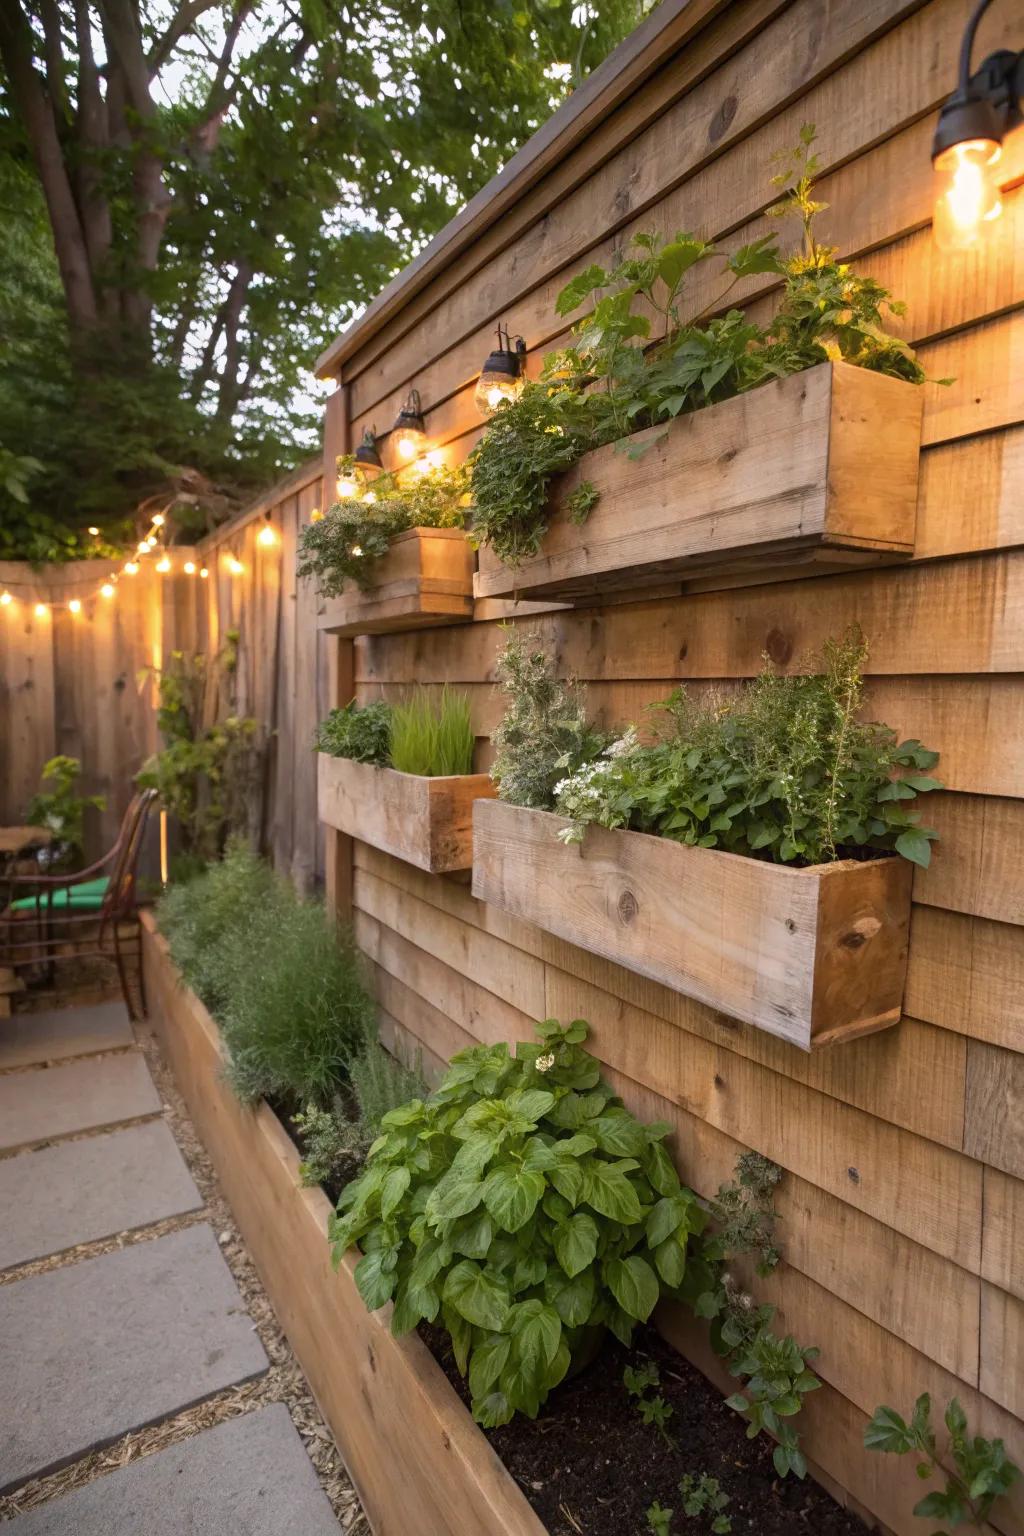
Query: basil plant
524, 1208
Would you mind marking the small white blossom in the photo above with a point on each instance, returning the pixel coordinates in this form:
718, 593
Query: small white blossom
545, 1063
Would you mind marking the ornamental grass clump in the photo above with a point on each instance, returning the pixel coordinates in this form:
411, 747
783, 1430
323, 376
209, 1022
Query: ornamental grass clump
432, 734
522, 1207
783, 770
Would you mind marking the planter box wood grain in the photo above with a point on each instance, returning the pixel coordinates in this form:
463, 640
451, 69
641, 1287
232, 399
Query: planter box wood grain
419, 1463
813, 955
426, 578
426, 822
807, 474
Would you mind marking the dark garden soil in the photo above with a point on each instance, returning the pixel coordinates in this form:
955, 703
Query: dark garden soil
591, 1467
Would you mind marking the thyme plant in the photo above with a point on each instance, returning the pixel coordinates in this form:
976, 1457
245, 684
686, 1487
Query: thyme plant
357, 530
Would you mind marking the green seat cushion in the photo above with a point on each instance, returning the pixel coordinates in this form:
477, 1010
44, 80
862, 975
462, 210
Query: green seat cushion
87, 897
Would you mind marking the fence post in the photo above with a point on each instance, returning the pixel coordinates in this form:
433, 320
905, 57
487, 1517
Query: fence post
338, 861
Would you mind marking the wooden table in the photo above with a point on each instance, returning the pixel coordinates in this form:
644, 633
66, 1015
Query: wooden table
14, 839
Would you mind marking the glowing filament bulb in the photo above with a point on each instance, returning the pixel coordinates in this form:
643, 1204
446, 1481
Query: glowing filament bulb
5, 598
75, 605
266, 536
235, 566
94, 531
163, 566
131, 567
203, 572
143, 548
158, 520
107, 589
41, 610
189, 567
347, 487
967, 194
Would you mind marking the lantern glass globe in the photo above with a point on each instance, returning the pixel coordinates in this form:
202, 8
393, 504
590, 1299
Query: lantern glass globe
967, 196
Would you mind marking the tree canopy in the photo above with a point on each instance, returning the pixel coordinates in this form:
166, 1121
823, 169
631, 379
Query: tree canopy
198, 194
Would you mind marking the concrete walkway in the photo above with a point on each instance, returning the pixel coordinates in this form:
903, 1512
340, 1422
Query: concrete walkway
118, 1310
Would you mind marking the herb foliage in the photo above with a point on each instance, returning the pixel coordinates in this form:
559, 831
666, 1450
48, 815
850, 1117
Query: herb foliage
427, 733
983, 1473
521, 1205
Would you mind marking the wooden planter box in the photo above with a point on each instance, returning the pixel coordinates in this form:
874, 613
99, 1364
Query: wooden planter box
418, 1461
813, 955
426, 822
807, 474
426, 578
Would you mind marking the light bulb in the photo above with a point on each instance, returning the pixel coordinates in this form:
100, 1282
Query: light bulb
106, 590
75, 605
235, 566
151, 542
131, 568
163, 566
158, 519
490, 392
94, 531
41, 610
143, 548
266, 536
409, 443
189, 567
5, 598
204, 573
966, 193
347, 487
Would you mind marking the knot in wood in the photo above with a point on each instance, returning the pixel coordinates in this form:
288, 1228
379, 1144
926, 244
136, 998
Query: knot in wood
864, 929
627, 907
778, 646
722, 118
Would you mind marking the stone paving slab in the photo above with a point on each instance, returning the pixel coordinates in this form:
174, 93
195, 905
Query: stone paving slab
78, 1191
78, 1096
247, 1477
29, 1038
111, 1344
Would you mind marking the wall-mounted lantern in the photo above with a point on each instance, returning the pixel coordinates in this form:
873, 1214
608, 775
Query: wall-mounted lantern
367, 459
409, 433
502, 375
969, 139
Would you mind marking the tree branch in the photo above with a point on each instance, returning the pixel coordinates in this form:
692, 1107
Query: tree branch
94, 209
36, 112
181, 23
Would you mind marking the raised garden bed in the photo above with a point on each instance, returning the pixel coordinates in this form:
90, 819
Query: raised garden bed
425, 821
426, 578
808, 474
814, 955
418, 1461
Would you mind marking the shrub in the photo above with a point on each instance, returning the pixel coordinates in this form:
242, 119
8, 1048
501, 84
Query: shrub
295, 1008
544, 735
61, 810
359, 731
783, 770
523, 1205
204, 917
432, 736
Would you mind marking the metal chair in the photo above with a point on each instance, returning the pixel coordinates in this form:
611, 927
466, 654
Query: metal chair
45, 918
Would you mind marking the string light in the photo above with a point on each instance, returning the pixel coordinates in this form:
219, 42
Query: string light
189, 567
266, 536
131, 568
5, 599
94, 531
203, 572
75, 605
143, 548
41, 610
107, 589
158, 520
234, 566
163, 566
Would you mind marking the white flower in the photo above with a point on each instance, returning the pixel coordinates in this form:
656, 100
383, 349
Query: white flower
626, 743
545, 1063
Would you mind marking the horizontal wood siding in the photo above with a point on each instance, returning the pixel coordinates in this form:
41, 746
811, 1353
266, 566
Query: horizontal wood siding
903, 1209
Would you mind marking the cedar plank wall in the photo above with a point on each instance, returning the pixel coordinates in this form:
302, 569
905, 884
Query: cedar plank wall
903, 1211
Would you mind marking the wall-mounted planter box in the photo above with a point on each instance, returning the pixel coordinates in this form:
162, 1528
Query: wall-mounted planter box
806, 474
813, 955
426, 822
418, 1461
426, 578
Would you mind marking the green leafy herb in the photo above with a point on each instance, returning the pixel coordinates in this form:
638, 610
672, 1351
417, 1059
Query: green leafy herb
359, 731
659, 1520
503, 1207
778, 1378
703, 1497
983, 1473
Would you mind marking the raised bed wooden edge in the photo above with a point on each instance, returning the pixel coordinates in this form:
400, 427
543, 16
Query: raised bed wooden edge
426, 578
418, 1461
806, 474
426, 822
813, 955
